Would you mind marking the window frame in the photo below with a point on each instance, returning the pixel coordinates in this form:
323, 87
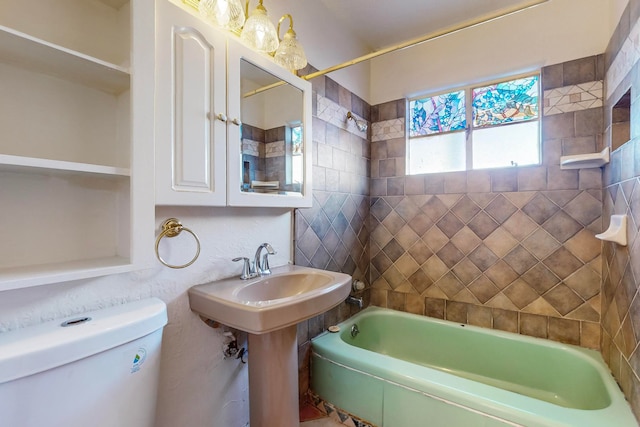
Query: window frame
469, 129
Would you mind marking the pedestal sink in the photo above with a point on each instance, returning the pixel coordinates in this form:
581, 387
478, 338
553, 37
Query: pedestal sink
268, 308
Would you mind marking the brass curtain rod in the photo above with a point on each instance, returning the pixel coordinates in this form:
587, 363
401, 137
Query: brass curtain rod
432, 36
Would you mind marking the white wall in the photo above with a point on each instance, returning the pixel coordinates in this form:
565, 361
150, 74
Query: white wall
325, 44
554, 32
198, 388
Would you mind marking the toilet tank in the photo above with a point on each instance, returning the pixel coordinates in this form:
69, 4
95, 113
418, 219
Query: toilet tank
100, 369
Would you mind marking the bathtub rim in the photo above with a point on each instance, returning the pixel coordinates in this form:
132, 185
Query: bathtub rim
479, 397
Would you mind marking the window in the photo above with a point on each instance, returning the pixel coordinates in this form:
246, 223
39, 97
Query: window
295, 164
503, 130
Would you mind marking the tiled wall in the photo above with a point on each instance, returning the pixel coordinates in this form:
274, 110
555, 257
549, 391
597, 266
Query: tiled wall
334, 233
621, 271
511, 249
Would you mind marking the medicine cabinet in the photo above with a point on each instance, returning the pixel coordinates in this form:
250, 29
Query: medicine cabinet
232, 127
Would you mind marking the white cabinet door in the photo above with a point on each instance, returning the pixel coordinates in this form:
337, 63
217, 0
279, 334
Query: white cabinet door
191, 129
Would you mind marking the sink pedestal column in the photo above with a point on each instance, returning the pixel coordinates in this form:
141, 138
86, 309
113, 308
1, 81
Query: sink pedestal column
273, 378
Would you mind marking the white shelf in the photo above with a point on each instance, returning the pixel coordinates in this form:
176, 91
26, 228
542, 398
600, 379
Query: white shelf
583, 161
10, 163
38, 55
617, 231
36, 275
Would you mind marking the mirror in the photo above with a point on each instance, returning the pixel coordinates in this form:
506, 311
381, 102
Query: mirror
272, 133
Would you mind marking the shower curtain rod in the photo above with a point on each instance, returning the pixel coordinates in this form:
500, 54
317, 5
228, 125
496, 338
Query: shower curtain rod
432, 36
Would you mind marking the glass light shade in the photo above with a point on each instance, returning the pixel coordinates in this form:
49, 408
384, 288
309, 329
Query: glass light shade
228, 14
259, 32
290, 53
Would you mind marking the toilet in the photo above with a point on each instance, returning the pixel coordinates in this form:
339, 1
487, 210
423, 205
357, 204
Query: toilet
98, 369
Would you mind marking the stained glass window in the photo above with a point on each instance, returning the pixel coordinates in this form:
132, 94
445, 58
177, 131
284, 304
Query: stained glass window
506, 102
505, 131
438, 114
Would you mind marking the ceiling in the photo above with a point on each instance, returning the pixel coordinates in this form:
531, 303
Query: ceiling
381, 24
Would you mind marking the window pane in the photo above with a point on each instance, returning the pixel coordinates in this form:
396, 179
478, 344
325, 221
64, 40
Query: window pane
512, 101
437, 153
437, 114
496, 147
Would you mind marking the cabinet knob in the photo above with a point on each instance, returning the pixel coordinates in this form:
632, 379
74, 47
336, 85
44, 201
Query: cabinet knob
236, 122
221, 117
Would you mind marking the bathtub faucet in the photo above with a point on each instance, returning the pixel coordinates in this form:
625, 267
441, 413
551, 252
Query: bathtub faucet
355, 301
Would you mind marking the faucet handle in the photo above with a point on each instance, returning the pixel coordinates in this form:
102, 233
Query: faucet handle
246, 268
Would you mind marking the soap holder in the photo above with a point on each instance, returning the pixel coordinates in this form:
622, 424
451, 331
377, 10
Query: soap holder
581, 161
617, 231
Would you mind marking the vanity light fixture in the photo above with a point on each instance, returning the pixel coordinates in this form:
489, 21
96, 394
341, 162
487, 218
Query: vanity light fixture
228, 14
258, 30
290, 53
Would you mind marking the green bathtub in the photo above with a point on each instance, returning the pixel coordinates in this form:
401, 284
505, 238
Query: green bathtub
405, 370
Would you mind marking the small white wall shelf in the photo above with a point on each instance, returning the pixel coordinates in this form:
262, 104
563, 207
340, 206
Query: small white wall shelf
583, 161
617, 231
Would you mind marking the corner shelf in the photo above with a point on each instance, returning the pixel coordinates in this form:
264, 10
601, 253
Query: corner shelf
617, 231
583, 161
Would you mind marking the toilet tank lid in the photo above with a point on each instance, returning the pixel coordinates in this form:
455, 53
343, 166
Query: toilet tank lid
33, 349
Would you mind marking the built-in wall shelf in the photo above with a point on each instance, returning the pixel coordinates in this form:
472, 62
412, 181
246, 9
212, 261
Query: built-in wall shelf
36, 275
9, 163
40, 56
584, 161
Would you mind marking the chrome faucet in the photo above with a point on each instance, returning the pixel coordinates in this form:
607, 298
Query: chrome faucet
261, 268
258, 267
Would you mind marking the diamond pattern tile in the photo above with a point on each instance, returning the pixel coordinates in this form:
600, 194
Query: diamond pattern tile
540, 209
520, 225
450, 285
540, 244
465, 209
483, 257
420, 223
483, 289
562, 226
500, 242
483, 225
449, 224
540, 278
584, 208
420, 252
520, 259
562, 263
563, 299
504, 250
520, 293
434, 208
501, 209
466, 240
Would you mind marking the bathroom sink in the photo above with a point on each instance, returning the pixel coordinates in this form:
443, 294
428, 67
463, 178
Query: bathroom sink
288, 296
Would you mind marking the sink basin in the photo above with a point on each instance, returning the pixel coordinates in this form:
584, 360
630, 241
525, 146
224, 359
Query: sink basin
288, 296
282, 286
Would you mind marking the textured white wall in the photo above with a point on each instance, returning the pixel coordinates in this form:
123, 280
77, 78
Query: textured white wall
197, 386
554, 32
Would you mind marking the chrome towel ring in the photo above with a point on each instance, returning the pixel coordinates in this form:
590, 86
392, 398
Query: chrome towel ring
172, 228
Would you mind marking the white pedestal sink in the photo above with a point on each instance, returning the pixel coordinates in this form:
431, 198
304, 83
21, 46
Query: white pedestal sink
268, 308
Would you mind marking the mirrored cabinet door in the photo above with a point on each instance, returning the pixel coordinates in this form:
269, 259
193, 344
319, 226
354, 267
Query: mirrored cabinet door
269, 135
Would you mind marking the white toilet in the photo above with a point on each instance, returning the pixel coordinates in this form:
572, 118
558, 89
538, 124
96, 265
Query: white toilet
100, 369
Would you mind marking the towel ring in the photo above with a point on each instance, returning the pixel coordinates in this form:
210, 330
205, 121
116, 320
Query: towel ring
172, 228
